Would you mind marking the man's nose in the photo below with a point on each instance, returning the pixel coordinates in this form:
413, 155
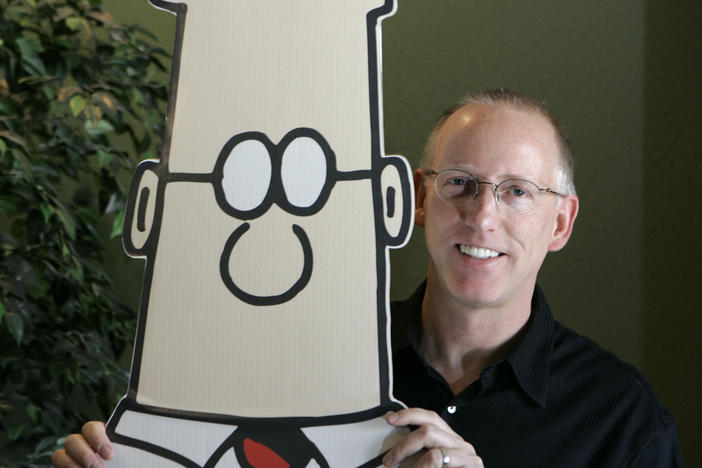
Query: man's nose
482, 212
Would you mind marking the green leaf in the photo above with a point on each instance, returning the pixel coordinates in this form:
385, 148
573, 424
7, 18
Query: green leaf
47, 153
72, 60
28, 47
66, 92
33, 413
49, 443
67, 222
137, 96
78, 104
117, 225
14, 433
47, 211
15, 138
15, 325
102, 127
115, 203
36, 66
102, 16
104, 158
75, 23
77, 273
29, 50
148, 154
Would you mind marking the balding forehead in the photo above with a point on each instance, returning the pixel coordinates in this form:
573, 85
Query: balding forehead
473, 108
494, 140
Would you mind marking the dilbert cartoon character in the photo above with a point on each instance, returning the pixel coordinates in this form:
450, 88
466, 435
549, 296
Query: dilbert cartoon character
263, 337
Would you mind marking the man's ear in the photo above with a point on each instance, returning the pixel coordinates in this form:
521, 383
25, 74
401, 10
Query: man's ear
565, 218
420, 193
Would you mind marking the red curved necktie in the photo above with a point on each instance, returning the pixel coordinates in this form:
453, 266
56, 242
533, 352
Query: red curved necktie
261, 456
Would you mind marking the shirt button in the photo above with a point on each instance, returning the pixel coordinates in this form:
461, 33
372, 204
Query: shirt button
451, 409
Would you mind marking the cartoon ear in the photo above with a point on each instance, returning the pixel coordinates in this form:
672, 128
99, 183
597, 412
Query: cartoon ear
140, 215
398, 200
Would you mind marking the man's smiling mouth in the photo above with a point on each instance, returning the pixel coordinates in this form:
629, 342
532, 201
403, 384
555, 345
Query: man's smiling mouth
478, 252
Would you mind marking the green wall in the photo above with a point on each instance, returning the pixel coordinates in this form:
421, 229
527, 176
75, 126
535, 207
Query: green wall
585, 60
672, 213
622, 77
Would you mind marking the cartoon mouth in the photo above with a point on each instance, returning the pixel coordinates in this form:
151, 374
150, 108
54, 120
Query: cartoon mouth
478, 252
253, 299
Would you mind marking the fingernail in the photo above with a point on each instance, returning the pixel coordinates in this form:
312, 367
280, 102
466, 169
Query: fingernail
97, 464
105, 452
391, 418
387, 460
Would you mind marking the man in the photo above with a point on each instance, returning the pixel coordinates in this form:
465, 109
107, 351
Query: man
488, 375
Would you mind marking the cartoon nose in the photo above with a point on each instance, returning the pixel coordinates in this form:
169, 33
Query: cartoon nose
281, 268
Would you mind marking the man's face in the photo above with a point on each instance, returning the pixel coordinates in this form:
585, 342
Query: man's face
495, 143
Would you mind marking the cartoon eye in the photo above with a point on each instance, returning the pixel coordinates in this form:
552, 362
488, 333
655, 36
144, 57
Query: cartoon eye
303, 171
246, 175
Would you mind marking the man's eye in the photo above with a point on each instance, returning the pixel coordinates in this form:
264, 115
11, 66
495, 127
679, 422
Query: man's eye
516, 191
457, 181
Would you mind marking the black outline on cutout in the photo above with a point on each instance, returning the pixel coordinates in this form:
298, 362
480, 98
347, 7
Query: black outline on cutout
141, 211
290, 443
275, 195
299, 285
383, 241
390, 200
276, 189
260, 424
132, 211
378, 162
406, 190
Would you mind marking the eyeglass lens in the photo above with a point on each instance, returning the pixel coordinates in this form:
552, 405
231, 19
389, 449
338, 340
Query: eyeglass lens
458, 187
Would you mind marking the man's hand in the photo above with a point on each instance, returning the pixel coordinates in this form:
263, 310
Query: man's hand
87, 449
443, 446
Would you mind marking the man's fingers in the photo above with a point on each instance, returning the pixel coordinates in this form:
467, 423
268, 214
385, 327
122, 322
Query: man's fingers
60, 459
96, 436
79, 451
463, 457
443, 446
417, 417
427, 436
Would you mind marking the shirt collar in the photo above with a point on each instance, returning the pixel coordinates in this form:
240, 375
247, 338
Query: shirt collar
407, 320
529, 359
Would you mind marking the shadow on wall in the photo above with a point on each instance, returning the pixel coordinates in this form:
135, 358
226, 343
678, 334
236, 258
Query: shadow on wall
673, 219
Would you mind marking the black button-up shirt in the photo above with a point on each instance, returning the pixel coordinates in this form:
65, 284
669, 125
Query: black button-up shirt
556, 400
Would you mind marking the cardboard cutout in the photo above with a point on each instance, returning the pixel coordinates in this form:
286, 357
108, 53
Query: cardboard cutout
262, 337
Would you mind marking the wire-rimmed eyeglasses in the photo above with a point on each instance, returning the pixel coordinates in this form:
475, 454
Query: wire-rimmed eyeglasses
457, 187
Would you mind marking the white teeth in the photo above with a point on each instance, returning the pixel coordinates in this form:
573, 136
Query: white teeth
478, 252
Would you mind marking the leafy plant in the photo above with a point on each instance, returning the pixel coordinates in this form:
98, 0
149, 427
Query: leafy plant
81, 102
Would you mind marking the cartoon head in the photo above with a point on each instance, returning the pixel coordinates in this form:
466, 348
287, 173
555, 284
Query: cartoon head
265, 226
298, 175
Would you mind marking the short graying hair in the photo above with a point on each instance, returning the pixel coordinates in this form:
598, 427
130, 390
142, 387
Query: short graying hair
494, 97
